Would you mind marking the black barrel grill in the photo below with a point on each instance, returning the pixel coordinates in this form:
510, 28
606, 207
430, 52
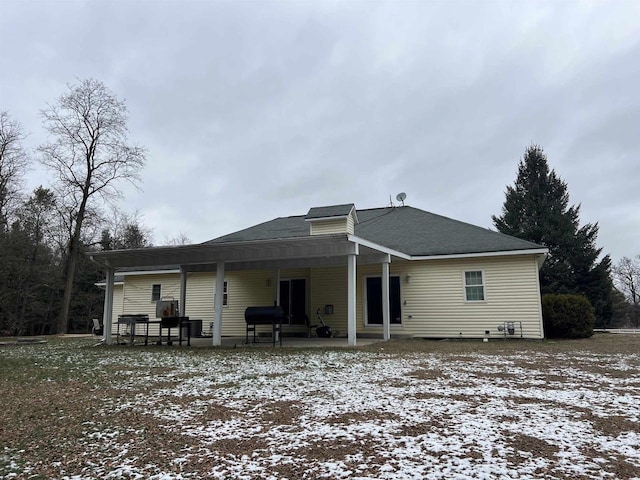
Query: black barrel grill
273, 316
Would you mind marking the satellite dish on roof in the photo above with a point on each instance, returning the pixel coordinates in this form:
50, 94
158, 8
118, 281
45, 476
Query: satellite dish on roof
400, 197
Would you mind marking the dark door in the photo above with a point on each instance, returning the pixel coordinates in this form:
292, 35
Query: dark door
293, 299
374, 301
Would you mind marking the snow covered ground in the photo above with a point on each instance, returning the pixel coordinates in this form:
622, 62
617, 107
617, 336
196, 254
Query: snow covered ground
264, 414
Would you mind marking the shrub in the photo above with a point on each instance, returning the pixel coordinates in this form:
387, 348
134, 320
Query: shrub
567, 316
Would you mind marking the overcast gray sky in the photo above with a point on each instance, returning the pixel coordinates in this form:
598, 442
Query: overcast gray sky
253, 110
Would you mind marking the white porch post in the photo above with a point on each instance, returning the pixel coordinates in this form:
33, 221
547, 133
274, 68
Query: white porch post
107, 315
351, 300
217, 321
386, 329
183, 291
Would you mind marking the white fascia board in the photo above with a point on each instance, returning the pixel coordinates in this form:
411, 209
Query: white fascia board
540, 259
104, 284
147, 272
380, 248
353, 213
325, 219
537, 251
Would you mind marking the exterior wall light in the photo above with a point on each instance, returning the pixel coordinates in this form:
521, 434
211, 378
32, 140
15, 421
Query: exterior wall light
408, 277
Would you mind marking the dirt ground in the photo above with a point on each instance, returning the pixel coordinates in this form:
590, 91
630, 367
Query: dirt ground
395, 410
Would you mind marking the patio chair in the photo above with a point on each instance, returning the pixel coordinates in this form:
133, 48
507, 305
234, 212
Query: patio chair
310, 328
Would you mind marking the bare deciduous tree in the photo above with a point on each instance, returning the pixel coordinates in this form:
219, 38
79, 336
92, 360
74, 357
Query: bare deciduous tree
13, 164
626, 276
124, 231
180, 239
89, 153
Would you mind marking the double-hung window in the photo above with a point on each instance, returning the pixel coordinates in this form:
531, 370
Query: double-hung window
474, 286
225, 294
156, 292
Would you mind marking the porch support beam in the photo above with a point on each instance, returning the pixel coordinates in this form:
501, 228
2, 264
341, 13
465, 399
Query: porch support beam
107, 315
369, 259
217, 320
183, 291
351, 300
386, 329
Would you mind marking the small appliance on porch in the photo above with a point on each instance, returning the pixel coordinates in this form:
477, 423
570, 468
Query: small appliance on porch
168, 311
167, 307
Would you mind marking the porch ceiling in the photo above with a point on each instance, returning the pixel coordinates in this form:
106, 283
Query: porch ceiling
307, 251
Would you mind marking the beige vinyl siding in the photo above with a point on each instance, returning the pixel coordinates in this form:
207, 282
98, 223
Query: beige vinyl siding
245, 288
432, 306
252, 288
325, 227
137, 297
199, 298
350, 225
329, 287
434, 302
117, 307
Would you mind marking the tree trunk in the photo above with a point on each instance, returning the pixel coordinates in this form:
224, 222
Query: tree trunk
70, 272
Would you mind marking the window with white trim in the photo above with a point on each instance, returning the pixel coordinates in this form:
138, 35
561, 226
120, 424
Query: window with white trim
156, 292
225, 294
474, 286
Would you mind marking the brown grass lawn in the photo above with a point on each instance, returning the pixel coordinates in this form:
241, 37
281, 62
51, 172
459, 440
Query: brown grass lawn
394, 410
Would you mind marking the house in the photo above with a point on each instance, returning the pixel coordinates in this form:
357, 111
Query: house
394, 271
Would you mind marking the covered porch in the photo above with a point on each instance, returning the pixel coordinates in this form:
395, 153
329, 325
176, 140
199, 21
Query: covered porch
288, 342
332, 250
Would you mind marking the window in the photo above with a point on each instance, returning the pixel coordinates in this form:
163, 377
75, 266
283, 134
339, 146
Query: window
156, 292
474, 286
225, 294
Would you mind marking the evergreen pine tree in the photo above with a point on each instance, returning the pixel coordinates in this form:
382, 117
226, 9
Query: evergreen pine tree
536, 208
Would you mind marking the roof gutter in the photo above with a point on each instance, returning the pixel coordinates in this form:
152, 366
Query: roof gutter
541, 252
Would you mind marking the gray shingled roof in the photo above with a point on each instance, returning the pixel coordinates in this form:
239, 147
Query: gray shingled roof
405, 229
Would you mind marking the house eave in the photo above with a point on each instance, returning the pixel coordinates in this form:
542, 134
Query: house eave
149, 272
501, 253
324, 246
102, 284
